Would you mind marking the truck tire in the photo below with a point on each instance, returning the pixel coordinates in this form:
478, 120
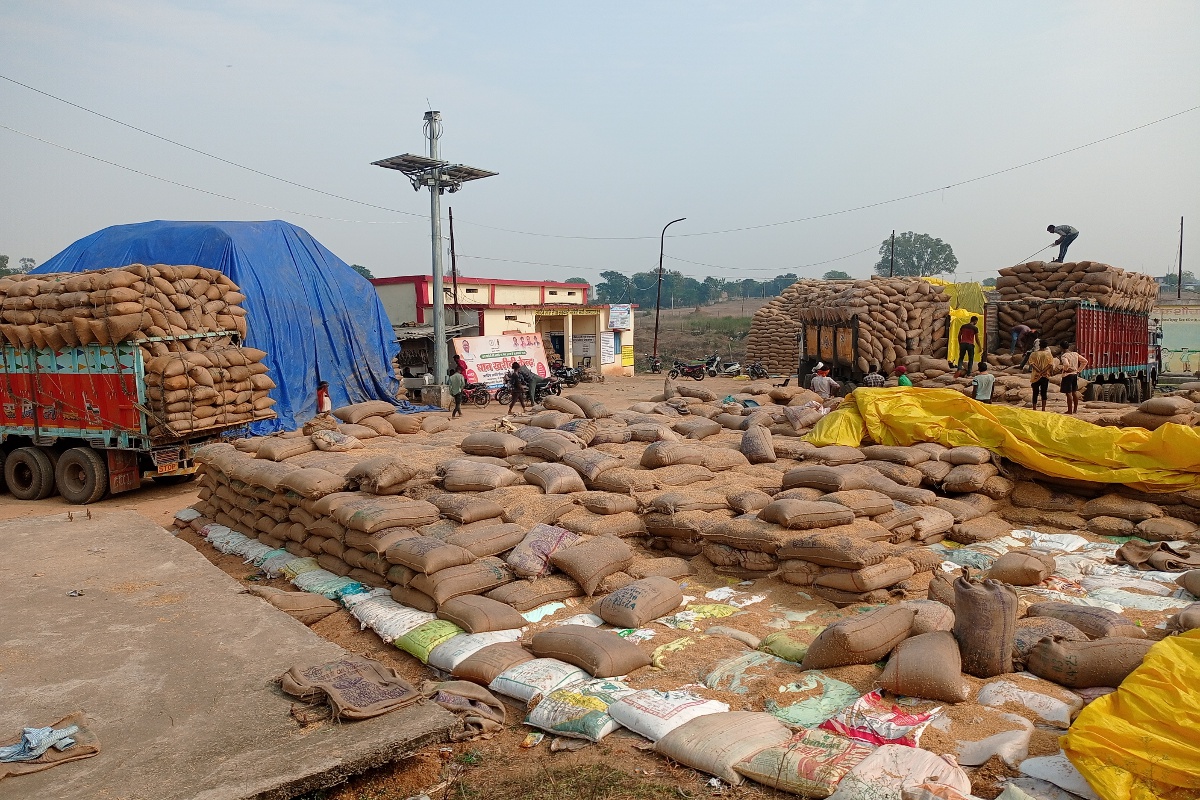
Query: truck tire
82, 475
29, 474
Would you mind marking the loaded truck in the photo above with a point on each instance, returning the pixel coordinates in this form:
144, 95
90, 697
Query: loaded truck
1120, 346
77, 421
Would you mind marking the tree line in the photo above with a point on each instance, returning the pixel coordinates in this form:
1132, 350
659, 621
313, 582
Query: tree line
24, 265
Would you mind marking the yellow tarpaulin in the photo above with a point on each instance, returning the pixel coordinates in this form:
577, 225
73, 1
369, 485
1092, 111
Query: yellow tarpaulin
1140, 742
1167, 459
958, 318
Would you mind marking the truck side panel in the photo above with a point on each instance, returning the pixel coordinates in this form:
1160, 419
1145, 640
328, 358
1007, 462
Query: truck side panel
1113, 342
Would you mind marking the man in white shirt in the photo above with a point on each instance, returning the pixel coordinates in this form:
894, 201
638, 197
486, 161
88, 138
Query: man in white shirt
1066, 235
824, 385
984, 383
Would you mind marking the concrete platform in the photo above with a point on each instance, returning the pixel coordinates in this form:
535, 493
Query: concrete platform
173, 665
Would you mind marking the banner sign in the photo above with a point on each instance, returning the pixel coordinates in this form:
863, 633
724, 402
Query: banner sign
608, 347
620, 317
583, 345
626, 355
489, 357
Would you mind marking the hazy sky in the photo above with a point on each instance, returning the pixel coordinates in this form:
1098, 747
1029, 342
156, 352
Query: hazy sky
609, 120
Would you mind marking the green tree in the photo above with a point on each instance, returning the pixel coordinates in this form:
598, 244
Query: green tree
836, 275
4, 265
918, 255
361, 270
614, 288
990, 282
1172, 280
26, 265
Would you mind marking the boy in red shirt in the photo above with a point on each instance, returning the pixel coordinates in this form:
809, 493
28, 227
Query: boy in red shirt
968, 335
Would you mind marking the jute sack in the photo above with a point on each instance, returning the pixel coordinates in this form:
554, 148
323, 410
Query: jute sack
465, 508
1031, 630
552, 446
720, 459
476, 614
537, 509
586, 523
863, 502
635, 604
927, 666
798, 573
606, 502
380, 425
1021, 569
554, 478
1084, 665
426, 554
612, 435
1166, 529
491, 443
834, 550
278, 449
756, 446
687, 525
688, 500
380, 473
753, 535
403, 423
825, 478
1188, 618
901, 514
549, 419
488, 537
1167, 406
933, 472
985, 625
359, 411
474, 578
334, 564
694, 428
668, 454
746, 500
600, 653
379, 541
373, 513
528, 595
592, 561
306, 607
898, 473
312, 483
668, 567
997, 487
966, 455
583, 429
484, 666
941, 589
1096, 623
980, 529
592, 409
556, 403
468, 476
1034, 495
906, 456
863, 639
1114, 505
801, 493
886, 573
716, 743
806, 515
591, 463
1190, 581
931, 616
968, 477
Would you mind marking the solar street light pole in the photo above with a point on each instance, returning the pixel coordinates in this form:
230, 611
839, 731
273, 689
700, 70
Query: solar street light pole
658, 296
433, 130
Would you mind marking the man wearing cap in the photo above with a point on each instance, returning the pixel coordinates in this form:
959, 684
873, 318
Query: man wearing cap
902, 376
824, 385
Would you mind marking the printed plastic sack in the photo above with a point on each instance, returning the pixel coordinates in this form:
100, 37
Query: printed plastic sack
378, 611
810, 764
420, 641
826, 697
884, 774
873, 720
579, 711
654, 714
535, 678
452, 652
715, 743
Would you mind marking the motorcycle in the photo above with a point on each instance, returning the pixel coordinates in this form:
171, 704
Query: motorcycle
569, 376
695, 371
477, 393
757, 371
653, 364
545, 388
728, 369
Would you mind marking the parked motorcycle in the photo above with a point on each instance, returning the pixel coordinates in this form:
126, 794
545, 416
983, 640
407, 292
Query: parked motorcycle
547, 387
728, 369
569, 376
654, 364
757, 371
695, 371
477, 393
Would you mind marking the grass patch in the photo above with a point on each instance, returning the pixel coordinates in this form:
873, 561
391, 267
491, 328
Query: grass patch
592, 782
733, 327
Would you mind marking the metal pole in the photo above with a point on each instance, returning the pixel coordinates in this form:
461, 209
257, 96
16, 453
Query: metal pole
892, 268
454, 267
433, 129
1179, 279
658, 295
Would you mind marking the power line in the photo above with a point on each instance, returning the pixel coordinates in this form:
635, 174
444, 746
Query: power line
195, 188
776, 269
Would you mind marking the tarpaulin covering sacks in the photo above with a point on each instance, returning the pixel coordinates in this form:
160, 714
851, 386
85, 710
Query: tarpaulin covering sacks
316, 318
1139, 742
1167, 459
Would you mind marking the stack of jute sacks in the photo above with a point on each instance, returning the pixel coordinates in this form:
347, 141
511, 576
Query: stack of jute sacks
1109, 286
462, 548
897, 317
117, 305
221, 384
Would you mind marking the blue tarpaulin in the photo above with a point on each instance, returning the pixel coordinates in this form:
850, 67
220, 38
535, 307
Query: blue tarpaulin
316, 317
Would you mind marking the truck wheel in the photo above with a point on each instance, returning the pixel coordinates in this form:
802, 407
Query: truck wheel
29, 474
82, 476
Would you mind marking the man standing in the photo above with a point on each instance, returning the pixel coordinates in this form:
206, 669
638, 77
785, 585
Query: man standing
903, 379
516, 387
984, 383
1066, 235
1020, 334
324, 404
968, 335
1072, 364
824, 385
1041, 366
1037, 345
873, 379
456, 383
531, 380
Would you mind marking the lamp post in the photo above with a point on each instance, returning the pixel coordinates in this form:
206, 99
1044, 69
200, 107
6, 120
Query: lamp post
658, 295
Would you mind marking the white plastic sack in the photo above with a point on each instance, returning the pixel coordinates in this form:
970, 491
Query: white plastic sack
186, 514
1049, 709
449, 654
1052, 542
885, 774
1012, 745
1050, 594
1061, 772
654, 714
537, 677
390, 620
589, 620
1137, 601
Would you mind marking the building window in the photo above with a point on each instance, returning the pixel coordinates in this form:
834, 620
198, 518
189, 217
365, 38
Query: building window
570, 294
553, 291
510, 317
472, 291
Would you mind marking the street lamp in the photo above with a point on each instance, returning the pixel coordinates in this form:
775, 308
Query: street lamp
658, 296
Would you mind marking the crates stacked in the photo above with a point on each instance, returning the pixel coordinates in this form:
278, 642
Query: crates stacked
897, 317
1109, 286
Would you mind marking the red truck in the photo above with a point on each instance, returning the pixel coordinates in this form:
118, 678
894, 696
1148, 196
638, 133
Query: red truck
77, 421
1123, 363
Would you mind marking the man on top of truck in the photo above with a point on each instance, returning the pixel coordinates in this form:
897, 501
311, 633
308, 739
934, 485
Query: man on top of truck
1066, 235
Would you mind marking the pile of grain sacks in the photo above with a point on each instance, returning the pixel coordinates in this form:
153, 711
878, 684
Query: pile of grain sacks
898, 317
1109, 286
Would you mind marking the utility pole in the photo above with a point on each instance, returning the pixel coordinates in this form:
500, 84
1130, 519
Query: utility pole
454, 266
658, 295
439, 176
1179, 279
892, 268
